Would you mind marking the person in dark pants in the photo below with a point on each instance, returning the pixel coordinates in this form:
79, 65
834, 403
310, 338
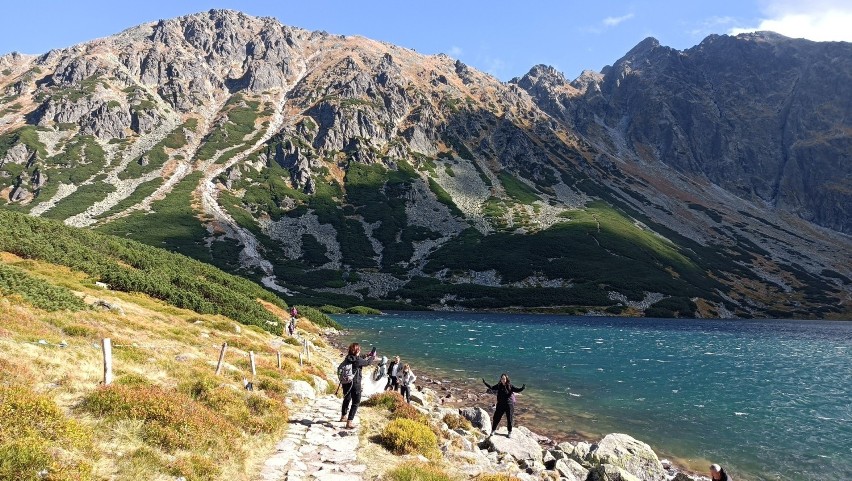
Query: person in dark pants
505, 401
393, 375
352, 390
406, 379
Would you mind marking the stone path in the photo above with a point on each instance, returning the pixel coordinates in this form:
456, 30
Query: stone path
316, 447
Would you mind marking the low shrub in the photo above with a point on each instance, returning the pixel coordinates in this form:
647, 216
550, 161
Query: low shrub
404, 436
79, 330
35, 436
387, 400
417, 472
39, 293
173, 420
194, 467
329, 309
292, 340
454, 421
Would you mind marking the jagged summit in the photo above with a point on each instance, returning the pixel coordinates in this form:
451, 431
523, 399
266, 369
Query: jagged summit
334, 166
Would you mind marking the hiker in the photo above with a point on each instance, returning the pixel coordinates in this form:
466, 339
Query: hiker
381, 369
406, 379
294, 313
349, 373
719, 474
291, 327
393, 373
505, 401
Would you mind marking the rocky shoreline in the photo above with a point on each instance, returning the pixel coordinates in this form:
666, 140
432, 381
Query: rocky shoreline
529, 455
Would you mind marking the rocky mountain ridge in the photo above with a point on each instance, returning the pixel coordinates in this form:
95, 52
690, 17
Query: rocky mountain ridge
334, 167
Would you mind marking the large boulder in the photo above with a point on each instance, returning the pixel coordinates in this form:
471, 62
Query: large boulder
522, 445
301, 390
571, 470
477, 416
578, 452
627, 453
608, 472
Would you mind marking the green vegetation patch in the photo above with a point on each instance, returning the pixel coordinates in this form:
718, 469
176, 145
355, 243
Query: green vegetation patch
35, 436
39, 293
516, 189
84, 197
405, 436
142, 191
241, 116
133, 267
411, 471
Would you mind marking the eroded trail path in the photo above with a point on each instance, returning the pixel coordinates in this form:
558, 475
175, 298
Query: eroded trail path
316, 446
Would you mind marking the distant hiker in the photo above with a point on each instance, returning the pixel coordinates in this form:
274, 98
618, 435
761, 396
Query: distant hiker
393, 374
406, 379
505, 401
719, 474
381, 369
294, 313
349, 374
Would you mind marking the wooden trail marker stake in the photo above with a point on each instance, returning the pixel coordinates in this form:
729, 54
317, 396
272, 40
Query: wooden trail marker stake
221, 357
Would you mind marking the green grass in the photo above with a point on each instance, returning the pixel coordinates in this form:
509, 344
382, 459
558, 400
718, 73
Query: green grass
133, 267
241, 116
444, 198
37, 292
516, 189
85, 196
142, 191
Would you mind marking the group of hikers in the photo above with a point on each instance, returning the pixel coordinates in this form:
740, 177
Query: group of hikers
401, 377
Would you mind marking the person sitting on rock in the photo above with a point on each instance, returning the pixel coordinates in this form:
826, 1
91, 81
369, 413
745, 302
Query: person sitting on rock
717, 473
406, 379
505, 401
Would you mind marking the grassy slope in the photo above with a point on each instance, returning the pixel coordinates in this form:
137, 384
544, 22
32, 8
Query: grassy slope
166, 416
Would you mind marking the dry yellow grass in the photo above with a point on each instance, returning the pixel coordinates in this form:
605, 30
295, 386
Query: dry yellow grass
158, 350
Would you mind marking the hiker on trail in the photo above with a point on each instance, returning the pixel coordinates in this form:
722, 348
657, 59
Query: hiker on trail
393, 374
291, 327
406, 379
505, 401
349, 372
294, 313
717, 473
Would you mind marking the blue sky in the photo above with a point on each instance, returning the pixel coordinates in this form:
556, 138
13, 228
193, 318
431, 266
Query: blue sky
500, 37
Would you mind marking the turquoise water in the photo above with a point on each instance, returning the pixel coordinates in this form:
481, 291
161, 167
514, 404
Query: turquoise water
770, 400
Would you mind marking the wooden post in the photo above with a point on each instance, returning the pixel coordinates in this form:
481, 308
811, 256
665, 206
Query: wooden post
278, 355
251, 359
308, 350
221, 357
106, 343
300, 358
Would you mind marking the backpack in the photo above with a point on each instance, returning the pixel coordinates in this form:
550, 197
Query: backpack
345, 372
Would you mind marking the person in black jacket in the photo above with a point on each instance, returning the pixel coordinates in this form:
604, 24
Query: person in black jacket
717, 473
352, 390
505, 401
394, 368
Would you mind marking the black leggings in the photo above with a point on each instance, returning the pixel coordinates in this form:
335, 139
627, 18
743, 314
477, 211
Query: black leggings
507, 409
406, 392
351, 393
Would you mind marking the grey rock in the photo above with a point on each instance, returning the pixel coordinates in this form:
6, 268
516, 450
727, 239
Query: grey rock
571, 470
629, 454
521, 446
478, 417
608, 472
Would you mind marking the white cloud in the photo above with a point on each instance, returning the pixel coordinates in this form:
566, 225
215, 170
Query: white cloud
455, 51
826, 20
614, 21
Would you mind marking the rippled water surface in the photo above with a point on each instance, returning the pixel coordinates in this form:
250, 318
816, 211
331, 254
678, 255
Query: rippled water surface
770, 399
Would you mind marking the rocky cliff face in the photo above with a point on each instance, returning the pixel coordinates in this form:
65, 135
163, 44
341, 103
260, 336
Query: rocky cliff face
672, 183
763, 116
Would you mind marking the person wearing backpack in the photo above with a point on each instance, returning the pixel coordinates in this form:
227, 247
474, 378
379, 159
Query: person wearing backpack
505, 401
393, 374
349, 373
406, 379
